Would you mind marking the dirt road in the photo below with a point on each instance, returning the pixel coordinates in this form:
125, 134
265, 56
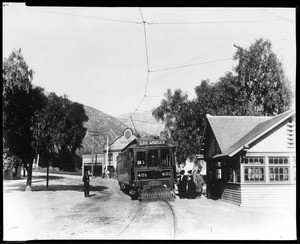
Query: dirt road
62, 212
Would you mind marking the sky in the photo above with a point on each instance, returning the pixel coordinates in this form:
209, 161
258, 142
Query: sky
109, 59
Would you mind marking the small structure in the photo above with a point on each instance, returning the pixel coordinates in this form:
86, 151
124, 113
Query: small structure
251, 160
114, 149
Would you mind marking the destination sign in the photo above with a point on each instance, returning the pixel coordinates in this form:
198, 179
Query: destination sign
151, 143
153, 174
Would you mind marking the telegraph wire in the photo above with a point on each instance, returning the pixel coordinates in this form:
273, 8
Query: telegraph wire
277, 15
209, 22
122, 119
143, 121
201, 55
184, 66
87, 16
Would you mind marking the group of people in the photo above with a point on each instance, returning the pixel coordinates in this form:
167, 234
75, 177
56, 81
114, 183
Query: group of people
190, 186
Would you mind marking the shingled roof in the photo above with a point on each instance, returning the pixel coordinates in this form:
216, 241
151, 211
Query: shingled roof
229, 129
233, 132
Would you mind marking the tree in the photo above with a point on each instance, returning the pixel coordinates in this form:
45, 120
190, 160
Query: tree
261, 79
60, 131
176, 111
20, 102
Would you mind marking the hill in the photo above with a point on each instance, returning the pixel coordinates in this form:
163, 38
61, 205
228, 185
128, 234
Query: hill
143, 122
105, 125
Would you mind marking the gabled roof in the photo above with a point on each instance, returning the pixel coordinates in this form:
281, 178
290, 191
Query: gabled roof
229, 129
258, 131
234, 132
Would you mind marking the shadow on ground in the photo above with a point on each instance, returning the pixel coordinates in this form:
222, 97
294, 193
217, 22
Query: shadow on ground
20, 186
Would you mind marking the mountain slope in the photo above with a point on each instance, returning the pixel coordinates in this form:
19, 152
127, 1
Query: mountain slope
105, 125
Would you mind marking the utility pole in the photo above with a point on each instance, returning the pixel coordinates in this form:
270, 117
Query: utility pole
93, 133
93, 160
106, 168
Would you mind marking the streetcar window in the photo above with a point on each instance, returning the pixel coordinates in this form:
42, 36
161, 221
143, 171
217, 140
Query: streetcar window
141, 159
165, 157
152, 158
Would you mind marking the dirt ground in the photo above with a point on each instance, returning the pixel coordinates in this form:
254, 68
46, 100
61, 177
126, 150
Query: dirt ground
62, 212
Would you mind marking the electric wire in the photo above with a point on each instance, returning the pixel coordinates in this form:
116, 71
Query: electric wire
277, 15
184, 66
176, 68
208, 52
87, 16
148, 69
209, 22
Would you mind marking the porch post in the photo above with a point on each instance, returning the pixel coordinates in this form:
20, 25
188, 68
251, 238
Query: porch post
242, 169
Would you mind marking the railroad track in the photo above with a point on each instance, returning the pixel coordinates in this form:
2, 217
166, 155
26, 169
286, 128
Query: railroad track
153, 220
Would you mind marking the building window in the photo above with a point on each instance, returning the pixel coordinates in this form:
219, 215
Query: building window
234, 175
279, 173
110, 156
254, 174
278, 160
254, 160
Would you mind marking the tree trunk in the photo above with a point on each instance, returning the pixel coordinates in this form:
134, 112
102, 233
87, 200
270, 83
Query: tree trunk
29, 177
47, 181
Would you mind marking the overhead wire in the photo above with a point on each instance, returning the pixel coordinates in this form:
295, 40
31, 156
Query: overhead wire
184, 66
86, 16
208, 22
200, 56
148, 69
173, 69
187, 64
277, 15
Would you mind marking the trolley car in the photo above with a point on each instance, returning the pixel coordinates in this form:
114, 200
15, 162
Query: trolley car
146, 168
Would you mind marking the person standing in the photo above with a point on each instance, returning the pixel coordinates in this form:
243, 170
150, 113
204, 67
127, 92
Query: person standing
86, 182
191, 192
198, 179
182, 181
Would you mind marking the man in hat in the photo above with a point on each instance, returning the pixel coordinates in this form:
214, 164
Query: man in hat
182, 181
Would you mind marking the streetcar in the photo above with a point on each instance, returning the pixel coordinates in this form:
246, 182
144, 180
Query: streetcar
146, 168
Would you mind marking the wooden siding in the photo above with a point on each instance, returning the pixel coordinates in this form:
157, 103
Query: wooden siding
232, 193
262, 195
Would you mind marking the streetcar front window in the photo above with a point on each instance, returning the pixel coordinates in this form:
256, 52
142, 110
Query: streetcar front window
141, 159
165, 157
152, 158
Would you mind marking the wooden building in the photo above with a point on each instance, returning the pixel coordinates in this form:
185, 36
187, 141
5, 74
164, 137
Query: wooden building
110, 154
93, 164
251, 160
